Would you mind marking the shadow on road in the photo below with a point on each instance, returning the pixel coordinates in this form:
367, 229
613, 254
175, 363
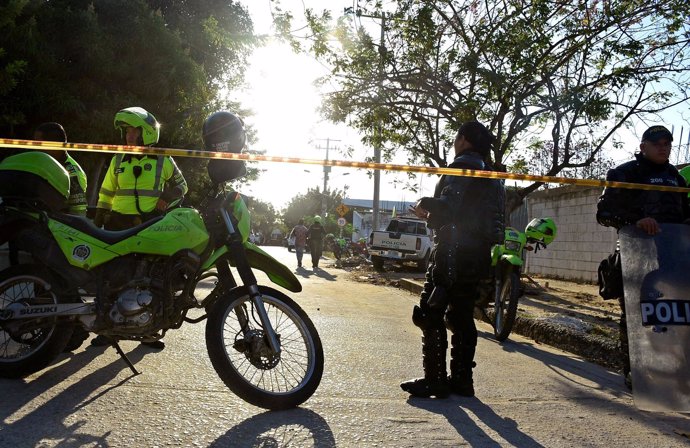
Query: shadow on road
465, 414
558, 363
577, 383
317, 272
47, 422
295, 427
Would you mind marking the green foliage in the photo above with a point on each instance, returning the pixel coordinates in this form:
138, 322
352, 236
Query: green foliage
264, 217
571, 73
79, 62
306, 206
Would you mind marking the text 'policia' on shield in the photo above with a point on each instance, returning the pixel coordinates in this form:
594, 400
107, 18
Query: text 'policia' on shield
90, 147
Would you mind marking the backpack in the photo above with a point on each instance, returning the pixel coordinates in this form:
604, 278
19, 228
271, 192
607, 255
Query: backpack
610, 277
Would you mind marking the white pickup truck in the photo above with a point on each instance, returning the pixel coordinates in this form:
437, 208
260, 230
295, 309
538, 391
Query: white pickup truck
405, 239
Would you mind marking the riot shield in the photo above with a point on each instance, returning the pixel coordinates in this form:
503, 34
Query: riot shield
656, 281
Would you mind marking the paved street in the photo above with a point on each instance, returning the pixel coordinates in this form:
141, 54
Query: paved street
528, 395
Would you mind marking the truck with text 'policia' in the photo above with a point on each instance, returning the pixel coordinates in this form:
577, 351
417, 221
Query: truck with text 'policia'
405, 239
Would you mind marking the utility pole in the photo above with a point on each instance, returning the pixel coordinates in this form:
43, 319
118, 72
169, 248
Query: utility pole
379, 127
326, 170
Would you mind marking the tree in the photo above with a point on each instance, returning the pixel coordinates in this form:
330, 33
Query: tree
306, 206
562, 76
264, 217
80, 61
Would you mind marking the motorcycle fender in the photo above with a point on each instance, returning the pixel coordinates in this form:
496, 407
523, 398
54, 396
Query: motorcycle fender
258, 259
512, 259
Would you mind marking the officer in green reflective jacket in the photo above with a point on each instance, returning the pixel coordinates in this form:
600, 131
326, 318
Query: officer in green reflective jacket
54, 132
138, 187
76, 202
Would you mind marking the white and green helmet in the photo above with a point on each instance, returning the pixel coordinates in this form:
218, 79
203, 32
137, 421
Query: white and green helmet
138, 117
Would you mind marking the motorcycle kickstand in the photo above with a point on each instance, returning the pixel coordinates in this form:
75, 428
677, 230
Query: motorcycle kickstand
124, 357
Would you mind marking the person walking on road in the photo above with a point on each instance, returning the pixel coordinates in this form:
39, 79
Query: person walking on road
316, 235
645, 209
299, 233
137, 187
467, 215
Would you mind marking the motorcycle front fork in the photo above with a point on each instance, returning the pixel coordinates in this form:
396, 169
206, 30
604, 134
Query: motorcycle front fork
249, 280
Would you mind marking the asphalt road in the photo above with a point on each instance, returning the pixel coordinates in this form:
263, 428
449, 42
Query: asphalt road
528, 395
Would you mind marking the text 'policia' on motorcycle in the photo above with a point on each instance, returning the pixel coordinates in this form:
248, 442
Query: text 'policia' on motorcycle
138, 283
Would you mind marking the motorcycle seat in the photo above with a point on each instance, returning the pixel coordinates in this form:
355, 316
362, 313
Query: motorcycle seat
84, 224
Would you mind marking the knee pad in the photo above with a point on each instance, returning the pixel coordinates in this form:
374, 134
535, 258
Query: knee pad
419, 317
426, 319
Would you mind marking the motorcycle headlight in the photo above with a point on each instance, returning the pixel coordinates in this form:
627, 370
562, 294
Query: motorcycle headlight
512, 245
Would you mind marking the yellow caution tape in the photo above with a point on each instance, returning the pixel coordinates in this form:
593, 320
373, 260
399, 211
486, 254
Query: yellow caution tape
88, 147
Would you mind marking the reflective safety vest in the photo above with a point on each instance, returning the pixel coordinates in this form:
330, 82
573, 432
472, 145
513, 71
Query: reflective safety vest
76, 203
159, 177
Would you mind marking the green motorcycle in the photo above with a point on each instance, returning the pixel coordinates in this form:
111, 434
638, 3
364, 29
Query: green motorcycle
139, 283
507, 261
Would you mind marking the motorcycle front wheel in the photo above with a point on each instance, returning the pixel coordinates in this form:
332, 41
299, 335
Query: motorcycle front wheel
29, 345
506, 304
240, 354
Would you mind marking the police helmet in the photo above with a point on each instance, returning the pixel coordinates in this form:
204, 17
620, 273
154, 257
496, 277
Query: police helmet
223, 131
138, 117
542, 230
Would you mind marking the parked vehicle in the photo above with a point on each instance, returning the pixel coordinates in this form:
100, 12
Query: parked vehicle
139, 283
507, 259
290, 243
405, 239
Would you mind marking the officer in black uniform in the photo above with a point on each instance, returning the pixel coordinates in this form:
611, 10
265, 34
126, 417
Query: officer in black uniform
618, 207
467, 215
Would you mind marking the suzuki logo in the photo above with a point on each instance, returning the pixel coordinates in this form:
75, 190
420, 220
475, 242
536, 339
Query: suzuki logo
44, 309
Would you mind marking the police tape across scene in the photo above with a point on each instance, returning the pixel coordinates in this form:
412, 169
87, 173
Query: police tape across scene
90, 147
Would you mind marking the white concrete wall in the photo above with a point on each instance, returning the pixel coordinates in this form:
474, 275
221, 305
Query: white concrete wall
580, 244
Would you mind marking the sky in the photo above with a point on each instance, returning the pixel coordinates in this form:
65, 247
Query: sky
285, 102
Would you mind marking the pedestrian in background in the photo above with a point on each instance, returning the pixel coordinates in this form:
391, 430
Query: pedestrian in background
299, 233
316, 235
467, 215
618, 207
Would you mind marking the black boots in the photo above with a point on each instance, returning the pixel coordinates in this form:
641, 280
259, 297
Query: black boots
460, 381
461, 365
435, 382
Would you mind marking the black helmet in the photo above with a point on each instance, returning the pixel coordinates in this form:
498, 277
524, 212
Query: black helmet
223, 131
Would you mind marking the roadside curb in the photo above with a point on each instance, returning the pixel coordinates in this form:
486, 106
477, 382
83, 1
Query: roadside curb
597, 349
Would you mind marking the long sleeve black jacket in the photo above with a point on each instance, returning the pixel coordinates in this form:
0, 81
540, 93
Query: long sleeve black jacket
618, 206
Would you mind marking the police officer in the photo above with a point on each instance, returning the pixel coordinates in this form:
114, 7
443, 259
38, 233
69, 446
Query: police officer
54, 132
618, 207
137, 187
467, 215
316, 236
76, 202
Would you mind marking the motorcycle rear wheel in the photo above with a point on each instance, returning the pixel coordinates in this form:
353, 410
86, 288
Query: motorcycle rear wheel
240, 354
506, 304
28, 350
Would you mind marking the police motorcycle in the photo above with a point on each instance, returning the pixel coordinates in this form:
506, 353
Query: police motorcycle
260, 342
507, 262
